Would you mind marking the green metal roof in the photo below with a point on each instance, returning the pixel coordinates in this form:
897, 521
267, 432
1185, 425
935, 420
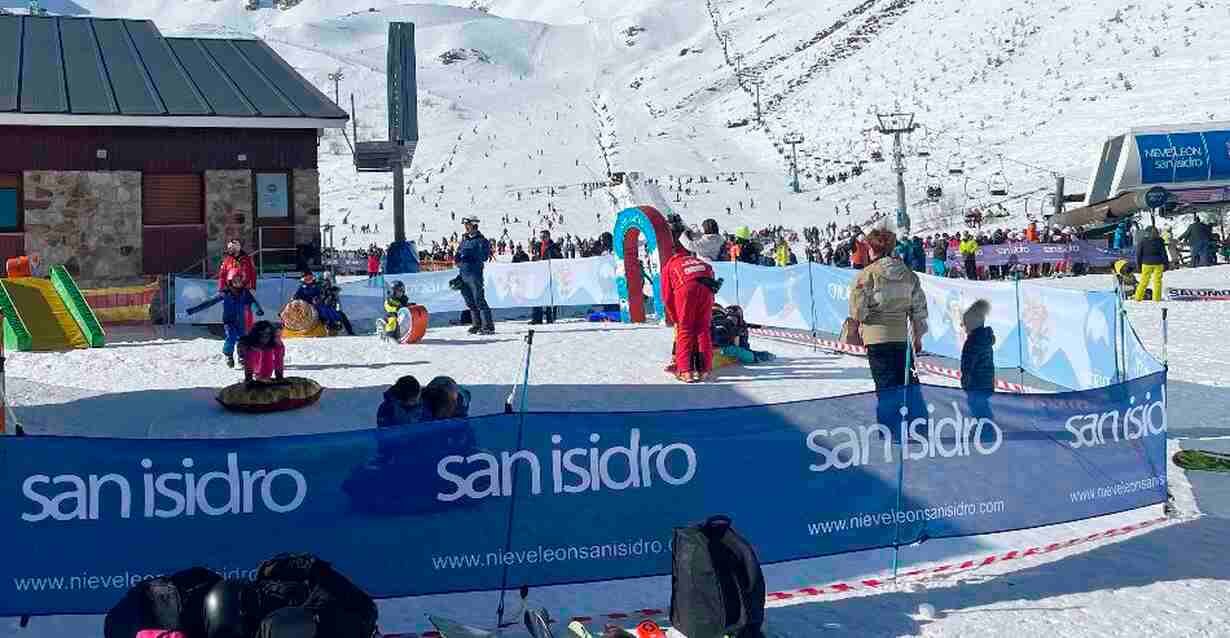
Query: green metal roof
93, 66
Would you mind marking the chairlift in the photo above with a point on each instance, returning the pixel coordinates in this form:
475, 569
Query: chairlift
934, 190
956, 167
873, 149
998, 186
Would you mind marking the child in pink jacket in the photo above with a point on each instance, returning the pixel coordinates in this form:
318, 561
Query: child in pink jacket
262, 353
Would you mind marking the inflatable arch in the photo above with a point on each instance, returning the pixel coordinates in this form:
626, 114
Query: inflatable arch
630, 224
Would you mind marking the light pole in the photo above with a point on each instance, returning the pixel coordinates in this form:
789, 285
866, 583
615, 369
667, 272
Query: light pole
895, 124
335, 78
794, 139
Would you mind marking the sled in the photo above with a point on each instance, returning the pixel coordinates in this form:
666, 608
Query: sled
412, 324
1202, 460
289, 394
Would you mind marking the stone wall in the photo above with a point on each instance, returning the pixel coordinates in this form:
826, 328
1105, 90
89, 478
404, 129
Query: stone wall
228, 211
88, 221
306, 186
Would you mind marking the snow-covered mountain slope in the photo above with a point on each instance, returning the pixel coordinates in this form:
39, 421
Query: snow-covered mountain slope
518, 94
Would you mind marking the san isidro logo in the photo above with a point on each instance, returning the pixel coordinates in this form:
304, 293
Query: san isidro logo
164, 492
574, 470
927, 437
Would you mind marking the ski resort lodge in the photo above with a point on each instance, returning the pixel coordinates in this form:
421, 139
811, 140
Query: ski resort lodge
125, 154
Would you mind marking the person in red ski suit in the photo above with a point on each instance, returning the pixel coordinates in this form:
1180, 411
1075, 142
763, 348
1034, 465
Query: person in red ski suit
236, 261
687, 295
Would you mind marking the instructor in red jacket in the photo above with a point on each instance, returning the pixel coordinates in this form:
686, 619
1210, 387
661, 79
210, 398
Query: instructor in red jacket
237, 262
688, 287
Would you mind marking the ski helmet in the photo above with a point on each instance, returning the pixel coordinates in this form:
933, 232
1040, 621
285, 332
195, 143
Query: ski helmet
224, 616
398, 285
233, 246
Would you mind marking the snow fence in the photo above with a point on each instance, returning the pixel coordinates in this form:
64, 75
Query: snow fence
1075, 339
556, 498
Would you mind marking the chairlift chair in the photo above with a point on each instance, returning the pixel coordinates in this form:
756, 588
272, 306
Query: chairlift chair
956, 167
998, 186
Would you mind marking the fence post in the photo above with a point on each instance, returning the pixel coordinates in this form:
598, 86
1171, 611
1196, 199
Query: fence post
1020, 334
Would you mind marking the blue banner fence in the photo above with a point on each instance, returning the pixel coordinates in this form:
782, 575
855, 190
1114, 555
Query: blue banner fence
428, 509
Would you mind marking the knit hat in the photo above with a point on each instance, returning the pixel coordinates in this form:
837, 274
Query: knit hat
975, 316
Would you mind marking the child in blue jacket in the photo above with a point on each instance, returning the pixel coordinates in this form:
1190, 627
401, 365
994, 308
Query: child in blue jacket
978, 353
235, 301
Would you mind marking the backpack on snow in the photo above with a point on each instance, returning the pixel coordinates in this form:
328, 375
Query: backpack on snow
167, 603
342, 610
717, 586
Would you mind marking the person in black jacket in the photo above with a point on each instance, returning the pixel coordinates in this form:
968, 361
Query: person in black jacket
1152, 259
472, 255
545, 249
978, 353
520, 256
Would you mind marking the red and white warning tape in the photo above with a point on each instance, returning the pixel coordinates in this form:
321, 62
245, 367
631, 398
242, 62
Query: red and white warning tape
804, 593
838, 346
952, 568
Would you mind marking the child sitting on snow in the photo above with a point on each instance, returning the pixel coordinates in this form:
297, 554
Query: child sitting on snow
262, 354
401, 403
393, 304
730, 336
235, 301
978, 354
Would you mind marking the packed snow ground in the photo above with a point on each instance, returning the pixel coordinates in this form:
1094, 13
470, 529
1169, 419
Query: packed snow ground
1167, 581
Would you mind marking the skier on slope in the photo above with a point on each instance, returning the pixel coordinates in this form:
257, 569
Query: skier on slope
688, 288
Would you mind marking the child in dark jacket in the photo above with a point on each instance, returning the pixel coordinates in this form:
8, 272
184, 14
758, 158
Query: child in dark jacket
393, 304
401, 403
978, 353
235, 302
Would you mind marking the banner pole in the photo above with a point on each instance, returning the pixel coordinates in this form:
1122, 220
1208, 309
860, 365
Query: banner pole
1165, 339
811, 287
1020, 333
512, 505
905, 389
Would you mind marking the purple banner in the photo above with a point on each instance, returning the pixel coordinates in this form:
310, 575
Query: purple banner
1029, 253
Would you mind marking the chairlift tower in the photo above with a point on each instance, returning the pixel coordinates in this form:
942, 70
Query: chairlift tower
896, 124
794, 139
336, 77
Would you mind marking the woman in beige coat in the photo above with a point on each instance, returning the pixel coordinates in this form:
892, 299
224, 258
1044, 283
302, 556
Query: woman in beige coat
887, 300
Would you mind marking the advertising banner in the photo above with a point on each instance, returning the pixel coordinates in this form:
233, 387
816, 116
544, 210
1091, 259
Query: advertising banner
1184, 157
1030, 254
427, 509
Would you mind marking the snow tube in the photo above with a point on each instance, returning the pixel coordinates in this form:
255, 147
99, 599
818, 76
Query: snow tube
289, 394
317, 330
299, 316
412, 323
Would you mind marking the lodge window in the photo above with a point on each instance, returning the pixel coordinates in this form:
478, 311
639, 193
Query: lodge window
273, 197
11, 217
